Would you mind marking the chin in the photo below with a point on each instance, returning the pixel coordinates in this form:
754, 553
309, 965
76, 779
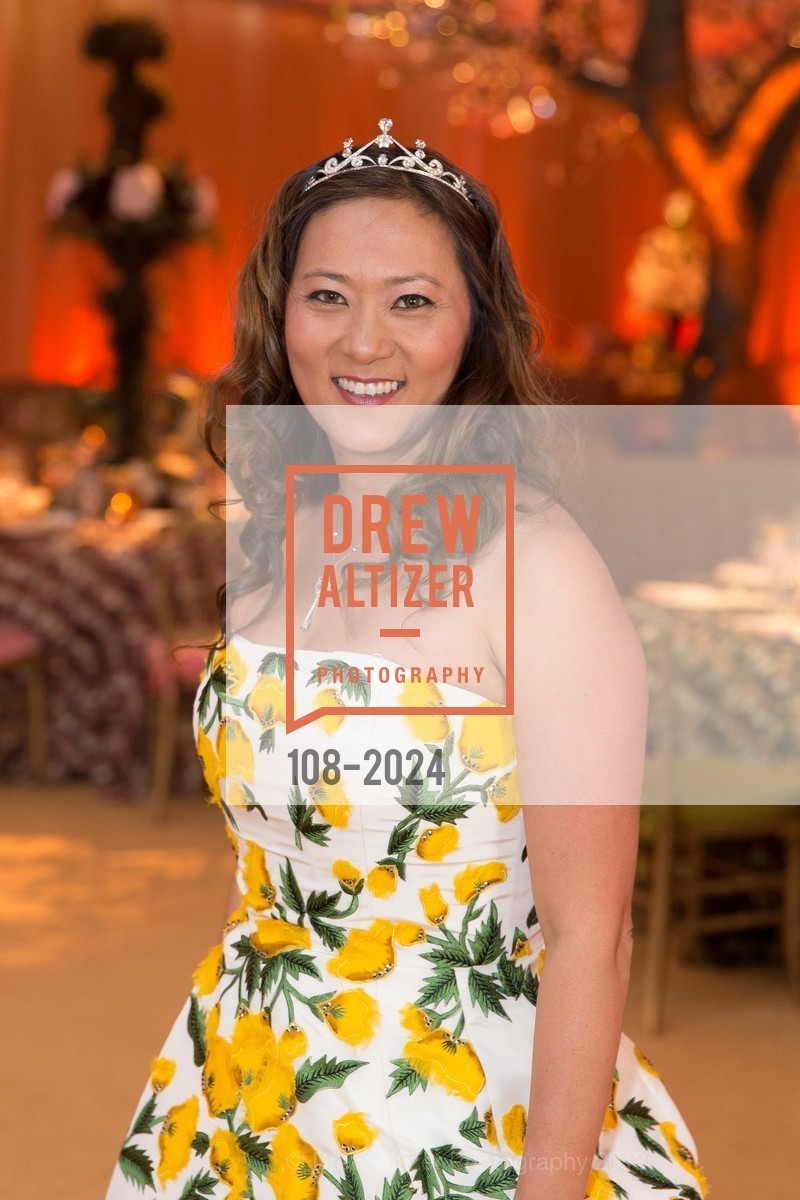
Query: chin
373, 429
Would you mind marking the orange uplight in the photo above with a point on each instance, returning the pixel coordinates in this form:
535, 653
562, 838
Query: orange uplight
93, 436
121, 503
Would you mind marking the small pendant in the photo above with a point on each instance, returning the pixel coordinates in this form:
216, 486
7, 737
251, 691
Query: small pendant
307, 619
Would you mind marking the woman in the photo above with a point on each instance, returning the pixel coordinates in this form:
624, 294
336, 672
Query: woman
366, 1025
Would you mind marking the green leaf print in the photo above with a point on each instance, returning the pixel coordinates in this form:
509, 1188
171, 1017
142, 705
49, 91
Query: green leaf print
399, 1187
405, 1076
360, 690
439, 988
486, 992
199, 1186
274, 664
449, 1158
473, 1128
136, 1167
496, 1182
352, 1188
313, 1075
196, 1024
640, 1118
146, 1118
290, 889
299, 962
511, 975
530, 986
302, 817
487, 943
649, 1175
259, 1154
201, 1142
425, 1173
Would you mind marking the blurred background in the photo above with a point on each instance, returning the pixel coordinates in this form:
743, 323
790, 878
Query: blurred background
646, 160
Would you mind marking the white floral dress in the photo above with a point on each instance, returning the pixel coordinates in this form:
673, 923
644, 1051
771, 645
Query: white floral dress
364, 1028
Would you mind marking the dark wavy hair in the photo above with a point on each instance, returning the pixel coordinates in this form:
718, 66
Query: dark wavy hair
499, 372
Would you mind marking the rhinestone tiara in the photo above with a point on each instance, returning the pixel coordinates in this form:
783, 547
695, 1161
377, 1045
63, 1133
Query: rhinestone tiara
415, 162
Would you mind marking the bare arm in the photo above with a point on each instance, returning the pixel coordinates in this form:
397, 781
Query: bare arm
581, 717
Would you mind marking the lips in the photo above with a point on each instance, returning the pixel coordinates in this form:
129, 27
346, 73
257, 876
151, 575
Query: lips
370, 401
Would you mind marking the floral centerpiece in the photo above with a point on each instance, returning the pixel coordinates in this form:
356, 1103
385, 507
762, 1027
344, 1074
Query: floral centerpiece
134, 207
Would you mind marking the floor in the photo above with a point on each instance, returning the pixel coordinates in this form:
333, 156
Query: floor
104, 916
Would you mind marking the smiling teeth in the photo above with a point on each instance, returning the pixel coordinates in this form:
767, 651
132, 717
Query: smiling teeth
369, 389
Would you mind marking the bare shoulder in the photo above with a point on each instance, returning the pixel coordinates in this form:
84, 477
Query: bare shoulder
564, 594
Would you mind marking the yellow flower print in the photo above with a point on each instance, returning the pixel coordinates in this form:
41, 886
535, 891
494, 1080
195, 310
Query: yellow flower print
416, 1020
349, 876
611, 1120
327, 698
600, 1187
538, 965
486, 742
521, 947
649, 1066
252, 1044
433, 728
228, 766
273, 935
260, 891
219, 1083
515, 1125
435, 842
353, 1132
382, 880
230, 662
352, 1016
331, 802
367, 953
504, 795
176, 1137
267, 701
293, 1041
162, 1073
208, 972
229, 1161
489, 1128
261, 1064
447, 1061
231, 836
295, 1166
434, 905
238, 915
235, 751
269, 1098
209, 761
475, 878
683, 1155
408, 933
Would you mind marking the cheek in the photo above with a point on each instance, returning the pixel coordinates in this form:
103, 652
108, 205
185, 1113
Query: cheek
299, 335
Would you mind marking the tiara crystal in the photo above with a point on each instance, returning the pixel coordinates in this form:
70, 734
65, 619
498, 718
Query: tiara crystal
415, 162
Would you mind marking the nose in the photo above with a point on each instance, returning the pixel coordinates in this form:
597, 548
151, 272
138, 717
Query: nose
366, 338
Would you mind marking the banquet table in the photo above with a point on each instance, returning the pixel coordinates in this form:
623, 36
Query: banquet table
91, 592
734, 642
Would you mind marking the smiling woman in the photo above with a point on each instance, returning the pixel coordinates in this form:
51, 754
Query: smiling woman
377, 1018
369, 338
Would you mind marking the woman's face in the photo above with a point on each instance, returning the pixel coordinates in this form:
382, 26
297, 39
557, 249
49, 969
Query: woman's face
377, 315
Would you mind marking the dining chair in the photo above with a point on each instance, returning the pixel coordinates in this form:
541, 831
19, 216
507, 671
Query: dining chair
176, 652
22, 649
696, 799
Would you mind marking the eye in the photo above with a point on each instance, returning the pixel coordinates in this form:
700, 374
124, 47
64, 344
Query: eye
322, 292
415, 296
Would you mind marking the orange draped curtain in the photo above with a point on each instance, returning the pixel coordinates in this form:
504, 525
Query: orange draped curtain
256, 92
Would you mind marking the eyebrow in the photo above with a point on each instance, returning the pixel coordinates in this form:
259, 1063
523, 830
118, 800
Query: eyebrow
395, 279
